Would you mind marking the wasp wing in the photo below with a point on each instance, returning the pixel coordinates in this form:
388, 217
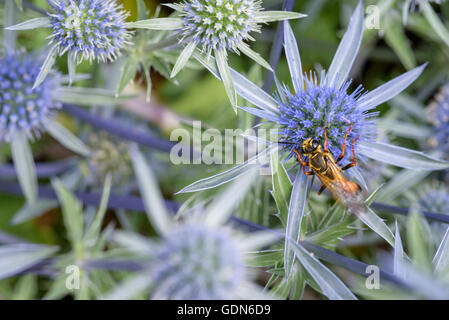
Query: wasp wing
346, 192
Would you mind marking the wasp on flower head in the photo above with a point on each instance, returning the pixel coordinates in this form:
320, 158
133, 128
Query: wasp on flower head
322, 164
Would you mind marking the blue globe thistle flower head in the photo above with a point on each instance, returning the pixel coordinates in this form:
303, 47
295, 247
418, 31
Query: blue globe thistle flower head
312, 105
22, 108
305, 114
85, 29
89, 29
220, 24
198, 262
438, 116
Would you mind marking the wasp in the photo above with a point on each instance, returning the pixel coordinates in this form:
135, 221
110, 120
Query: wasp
322, 164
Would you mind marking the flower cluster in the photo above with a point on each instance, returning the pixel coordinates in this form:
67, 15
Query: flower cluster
438, 115
22, 108
220, 24
90, 29
307, 113
199, 263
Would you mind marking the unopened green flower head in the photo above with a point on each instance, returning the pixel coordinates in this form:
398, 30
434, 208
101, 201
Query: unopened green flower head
220, 24
109, 156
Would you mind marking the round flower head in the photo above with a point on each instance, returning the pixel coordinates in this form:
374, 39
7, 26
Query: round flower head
198, 263
89, 29
438, 115
325, 103
22, 108
220, 24
109, 155
306, 114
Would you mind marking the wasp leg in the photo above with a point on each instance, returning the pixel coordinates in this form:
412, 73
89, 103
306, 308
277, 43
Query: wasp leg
322, 188
303, 163
354, 158
344, 144
325, 140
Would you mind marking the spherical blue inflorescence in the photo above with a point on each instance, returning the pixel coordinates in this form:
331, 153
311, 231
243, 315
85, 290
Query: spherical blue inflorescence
90, 29
197, 262
305, 115
438, 115
220, 24
22, 108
